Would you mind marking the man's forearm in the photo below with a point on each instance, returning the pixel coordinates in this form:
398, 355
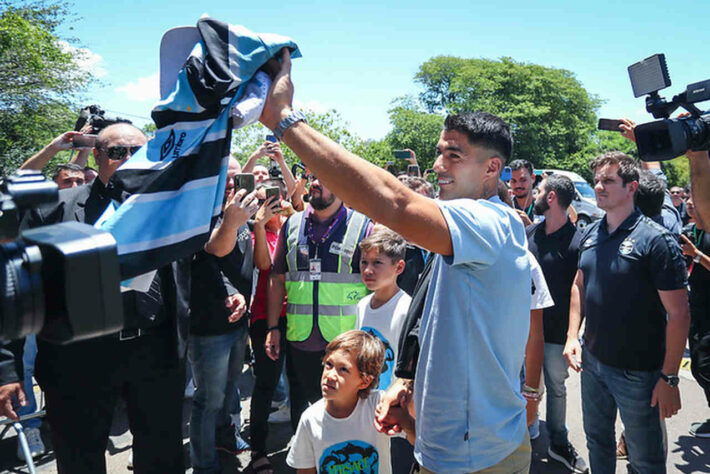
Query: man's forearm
223, 238
251, 162
575, 312
676, 337
534, 350
370, 189
81, 158
39, 160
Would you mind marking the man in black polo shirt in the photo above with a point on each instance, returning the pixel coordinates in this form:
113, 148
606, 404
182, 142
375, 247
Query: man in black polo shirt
631, 272
555, 244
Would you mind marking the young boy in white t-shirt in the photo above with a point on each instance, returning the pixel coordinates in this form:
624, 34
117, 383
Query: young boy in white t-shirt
336, 434
382, 312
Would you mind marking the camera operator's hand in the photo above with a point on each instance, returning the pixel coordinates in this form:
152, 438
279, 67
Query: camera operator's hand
63, 141
239, 207
7, 393
280, 98
627, 129
237, 306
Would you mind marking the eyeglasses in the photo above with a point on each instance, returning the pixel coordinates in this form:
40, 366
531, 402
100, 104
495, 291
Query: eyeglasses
119, 152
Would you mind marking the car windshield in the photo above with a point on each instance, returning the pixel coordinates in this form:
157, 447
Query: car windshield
584, 189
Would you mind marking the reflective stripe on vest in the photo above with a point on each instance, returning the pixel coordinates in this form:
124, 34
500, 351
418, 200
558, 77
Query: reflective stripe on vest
337, 293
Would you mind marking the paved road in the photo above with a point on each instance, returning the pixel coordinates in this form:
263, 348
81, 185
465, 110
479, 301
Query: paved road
686, 454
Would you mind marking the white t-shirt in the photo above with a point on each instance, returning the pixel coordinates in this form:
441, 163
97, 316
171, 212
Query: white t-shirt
541, 297
340, 445
386, 323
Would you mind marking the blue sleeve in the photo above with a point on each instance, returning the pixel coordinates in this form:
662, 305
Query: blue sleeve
479, 230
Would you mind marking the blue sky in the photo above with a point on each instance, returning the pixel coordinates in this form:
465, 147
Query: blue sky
359, 56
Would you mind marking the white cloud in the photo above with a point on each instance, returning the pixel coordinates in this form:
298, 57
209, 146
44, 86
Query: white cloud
312, 105
143, 89
86, 59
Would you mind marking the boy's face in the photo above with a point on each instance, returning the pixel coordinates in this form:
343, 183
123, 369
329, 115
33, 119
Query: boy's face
341, 378
377, 270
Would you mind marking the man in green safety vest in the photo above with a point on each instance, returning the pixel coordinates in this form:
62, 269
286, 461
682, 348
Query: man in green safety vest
317, 266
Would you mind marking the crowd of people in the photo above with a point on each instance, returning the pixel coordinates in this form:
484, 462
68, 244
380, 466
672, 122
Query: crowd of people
417, 330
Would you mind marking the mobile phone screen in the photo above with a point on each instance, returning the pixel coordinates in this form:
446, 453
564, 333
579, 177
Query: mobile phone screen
244, 181
83, 141
402, 154
609, 124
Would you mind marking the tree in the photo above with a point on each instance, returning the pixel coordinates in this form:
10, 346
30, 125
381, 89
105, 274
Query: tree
330, 123
39, 79
551, 115
416, 129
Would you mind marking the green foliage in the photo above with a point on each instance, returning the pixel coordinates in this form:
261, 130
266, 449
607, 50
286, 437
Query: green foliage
246, 140
39, 80
551, 115
415, 129
677, 171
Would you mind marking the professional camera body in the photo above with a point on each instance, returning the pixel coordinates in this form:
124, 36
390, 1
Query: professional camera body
668, 138
96, 117
59, 281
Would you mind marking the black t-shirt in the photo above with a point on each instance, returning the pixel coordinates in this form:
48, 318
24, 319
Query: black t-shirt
699, 279
557, 254
415, 260
215, 278
623, 271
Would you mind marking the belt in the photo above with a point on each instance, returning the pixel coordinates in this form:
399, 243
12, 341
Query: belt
134, 333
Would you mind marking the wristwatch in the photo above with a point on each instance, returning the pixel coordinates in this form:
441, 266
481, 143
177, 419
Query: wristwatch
671, 380
290, 119
697, 258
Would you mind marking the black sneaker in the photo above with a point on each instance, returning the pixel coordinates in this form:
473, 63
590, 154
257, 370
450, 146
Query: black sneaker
700, 430
568, 456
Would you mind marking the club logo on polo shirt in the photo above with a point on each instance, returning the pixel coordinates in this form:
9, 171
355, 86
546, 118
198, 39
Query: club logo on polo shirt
626, 247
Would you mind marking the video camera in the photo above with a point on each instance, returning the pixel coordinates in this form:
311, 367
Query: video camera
668, 138
96, 117
59, 281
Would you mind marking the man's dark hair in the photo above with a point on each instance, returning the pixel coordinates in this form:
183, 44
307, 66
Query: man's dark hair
650, 194
628, 169
563, 188
520, 164
68, 167
483, 129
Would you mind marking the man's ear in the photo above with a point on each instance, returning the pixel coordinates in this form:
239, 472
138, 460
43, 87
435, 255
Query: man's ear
633, 186
400, 267
495, 165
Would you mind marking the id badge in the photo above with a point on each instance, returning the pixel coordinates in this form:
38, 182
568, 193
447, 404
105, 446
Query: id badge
314, 269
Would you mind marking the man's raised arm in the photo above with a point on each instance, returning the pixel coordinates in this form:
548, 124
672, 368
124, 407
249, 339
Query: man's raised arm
360, 184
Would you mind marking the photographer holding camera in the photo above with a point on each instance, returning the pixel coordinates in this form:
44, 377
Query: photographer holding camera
60, 143
83, 380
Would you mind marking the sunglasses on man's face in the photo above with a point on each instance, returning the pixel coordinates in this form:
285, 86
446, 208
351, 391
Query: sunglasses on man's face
119, 152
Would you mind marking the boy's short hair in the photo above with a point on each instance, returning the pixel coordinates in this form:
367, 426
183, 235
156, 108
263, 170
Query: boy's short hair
385, 241
368, 351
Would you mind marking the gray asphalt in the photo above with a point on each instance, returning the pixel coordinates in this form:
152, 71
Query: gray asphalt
686, 454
